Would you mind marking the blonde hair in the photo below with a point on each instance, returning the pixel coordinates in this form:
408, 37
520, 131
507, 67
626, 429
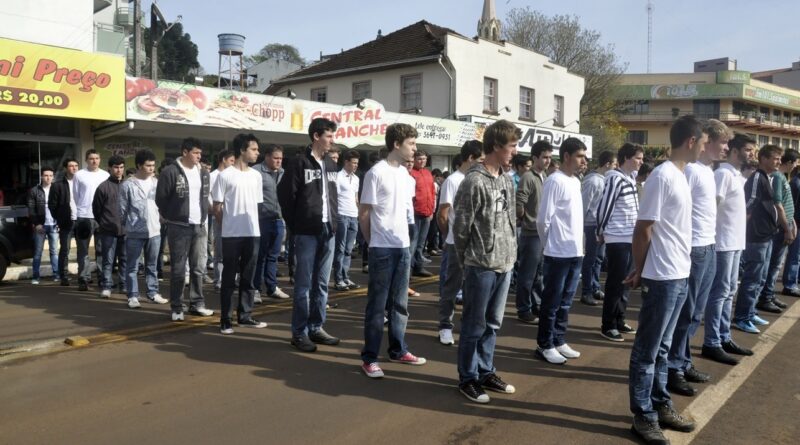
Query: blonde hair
716, 130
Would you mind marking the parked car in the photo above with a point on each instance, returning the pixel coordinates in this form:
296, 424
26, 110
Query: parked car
16, 236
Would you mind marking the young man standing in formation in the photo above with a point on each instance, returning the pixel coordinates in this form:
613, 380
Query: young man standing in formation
591, 192
84, 184
110, 228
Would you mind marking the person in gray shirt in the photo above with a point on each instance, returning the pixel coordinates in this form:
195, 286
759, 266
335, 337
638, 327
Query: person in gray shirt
271, 224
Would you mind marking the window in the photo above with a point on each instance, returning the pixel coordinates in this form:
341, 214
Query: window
638, 107
795, 144
526, 96
558, 110
706, 109
410, 92
776, 141
319, 94
362, 90
763, 140
637, 137
489, 95
785, 144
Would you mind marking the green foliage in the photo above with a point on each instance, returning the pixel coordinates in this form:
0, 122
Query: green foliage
177, 54
280, 51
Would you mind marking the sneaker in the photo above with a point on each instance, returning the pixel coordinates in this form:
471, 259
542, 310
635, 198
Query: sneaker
225, 327
694, 375
412, 293
779, 303
626, 329
160, 276
321, 337
589, 300
718, 354
446, 337
351, 285
669, 418
528, 317
279, 294
648, 431
550, 355
599, 295
304, 344
385, 320
201, 311
758, 321
106, 293
257, 297
791, 292
612, 334
35, 282
177, 316
251, 322
342, 286
474, 392
494, 383
460, 302
677, 384
746, 326
158, 299
133, 303
207, 280
567, 352
365, 269
186, 280
426, 260
409, 359
768, 306
372, 370
82, 286
732, 348
421, 273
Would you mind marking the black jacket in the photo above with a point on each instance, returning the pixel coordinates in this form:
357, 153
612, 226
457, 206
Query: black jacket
59, 202
36, 203
105, 208
172, 194
762, 216
300, 194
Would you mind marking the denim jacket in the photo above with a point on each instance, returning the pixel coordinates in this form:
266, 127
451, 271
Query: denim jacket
133, 207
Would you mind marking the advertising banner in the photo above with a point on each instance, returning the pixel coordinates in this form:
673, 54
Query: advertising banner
51, 81
531, 135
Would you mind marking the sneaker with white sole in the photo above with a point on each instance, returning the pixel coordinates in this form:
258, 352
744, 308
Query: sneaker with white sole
446, 337
158, 299
106, 293
177, 316
567, 352
612, 334
257, 297
473, 391
409, 359
201, 311
279, 294
225, 327
252, 323
133, 303
494, 383
550, 355
372, 370
34, 281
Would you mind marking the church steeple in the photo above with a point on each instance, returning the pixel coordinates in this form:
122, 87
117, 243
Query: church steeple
488, 25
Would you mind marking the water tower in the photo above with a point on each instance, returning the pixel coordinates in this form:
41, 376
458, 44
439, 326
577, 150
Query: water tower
231, 48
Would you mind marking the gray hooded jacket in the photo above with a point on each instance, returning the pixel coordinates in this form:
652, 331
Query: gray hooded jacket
484, 229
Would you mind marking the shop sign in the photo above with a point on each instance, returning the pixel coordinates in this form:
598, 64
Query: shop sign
742, 77
51, 81
531, 135
771, 97
676, 91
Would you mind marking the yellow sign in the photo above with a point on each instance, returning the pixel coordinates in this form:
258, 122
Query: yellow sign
51, 81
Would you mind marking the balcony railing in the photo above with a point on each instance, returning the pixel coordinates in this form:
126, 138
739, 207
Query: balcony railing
751, 117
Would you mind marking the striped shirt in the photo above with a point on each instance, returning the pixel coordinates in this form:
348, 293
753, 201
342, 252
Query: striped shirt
618, 208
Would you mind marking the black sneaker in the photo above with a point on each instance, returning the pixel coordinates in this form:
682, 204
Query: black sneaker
64, 282
304, 344
494, 383
626, 329
779, 303
732, 348
421, 273
225, 327
82, 286
768, 306
788, 291
695, 376
473, 391
588, 300
648, 431
612, 334
718, 355
669, 418
528, 317
323, 338
251, 322
599, 295
676, 383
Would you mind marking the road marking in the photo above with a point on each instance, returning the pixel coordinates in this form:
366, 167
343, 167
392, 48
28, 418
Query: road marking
712, 399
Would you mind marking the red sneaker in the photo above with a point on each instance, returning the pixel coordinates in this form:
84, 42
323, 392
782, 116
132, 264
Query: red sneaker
409, 359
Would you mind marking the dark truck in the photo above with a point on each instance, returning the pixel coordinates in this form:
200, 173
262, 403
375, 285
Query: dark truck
16, 236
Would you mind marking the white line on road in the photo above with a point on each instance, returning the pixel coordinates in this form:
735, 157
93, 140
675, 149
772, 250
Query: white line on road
706, 405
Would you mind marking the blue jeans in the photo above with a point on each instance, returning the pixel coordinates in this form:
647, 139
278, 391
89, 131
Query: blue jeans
51, 234
592, 261
314, 255
658, 316
701, 276
529, 275
485, 293
720, 299
186, 242
346, 229
113, 247
756, 266
419, 237
792, 267
268, 250
778, 251
133, 249
560, 283
387, 291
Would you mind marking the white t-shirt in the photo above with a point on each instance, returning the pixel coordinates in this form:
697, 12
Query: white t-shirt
48, 217
240, 192
347, 191
732, 210
148, 186
669, 205
560, 219
412, 193
193, 176
73, 210
386, 189
84, 184
212, 177
704, 205
448, 196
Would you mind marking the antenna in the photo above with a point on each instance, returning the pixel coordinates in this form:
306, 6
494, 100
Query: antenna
650, 8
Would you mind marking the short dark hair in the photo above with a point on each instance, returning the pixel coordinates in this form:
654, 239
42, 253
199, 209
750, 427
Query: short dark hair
627, 151
47, 168
740, 140
769, 150
166, 162
436, 173
116, 160
684, 128
224, 154
272, 148
606, 157
241, 142
66, 162
500, 133
190, 143
399, 133
89, 152
457, 161
570, 146
644, 170
319, 126
540, 146
143, 156
520, 160
471, 149
351, 154
790, 156
421, 153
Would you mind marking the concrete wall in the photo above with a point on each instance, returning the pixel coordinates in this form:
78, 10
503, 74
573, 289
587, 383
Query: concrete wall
64, 23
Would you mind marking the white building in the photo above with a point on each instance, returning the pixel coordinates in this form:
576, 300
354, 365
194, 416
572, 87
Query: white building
261, 74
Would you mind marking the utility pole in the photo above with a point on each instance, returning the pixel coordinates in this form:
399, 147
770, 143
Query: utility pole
137, 37
156, 34
650, 9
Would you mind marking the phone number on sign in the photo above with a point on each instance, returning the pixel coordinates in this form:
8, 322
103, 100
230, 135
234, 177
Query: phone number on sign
33, 98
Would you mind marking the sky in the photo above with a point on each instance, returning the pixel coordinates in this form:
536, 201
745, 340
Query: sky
760, 35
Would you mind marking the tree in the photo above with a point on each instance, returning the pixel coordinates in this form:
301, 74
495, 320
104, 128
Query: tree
177, 54
562, 39
280, 51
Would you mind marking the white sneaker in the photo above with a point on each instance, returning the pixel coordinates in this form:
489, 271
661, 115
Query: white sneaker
567, 352
551, 356
34, 282
201, 311
177, 316
446, 337
279, 294
106, 293
133, 303
257, 297
158, 299
186, 280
